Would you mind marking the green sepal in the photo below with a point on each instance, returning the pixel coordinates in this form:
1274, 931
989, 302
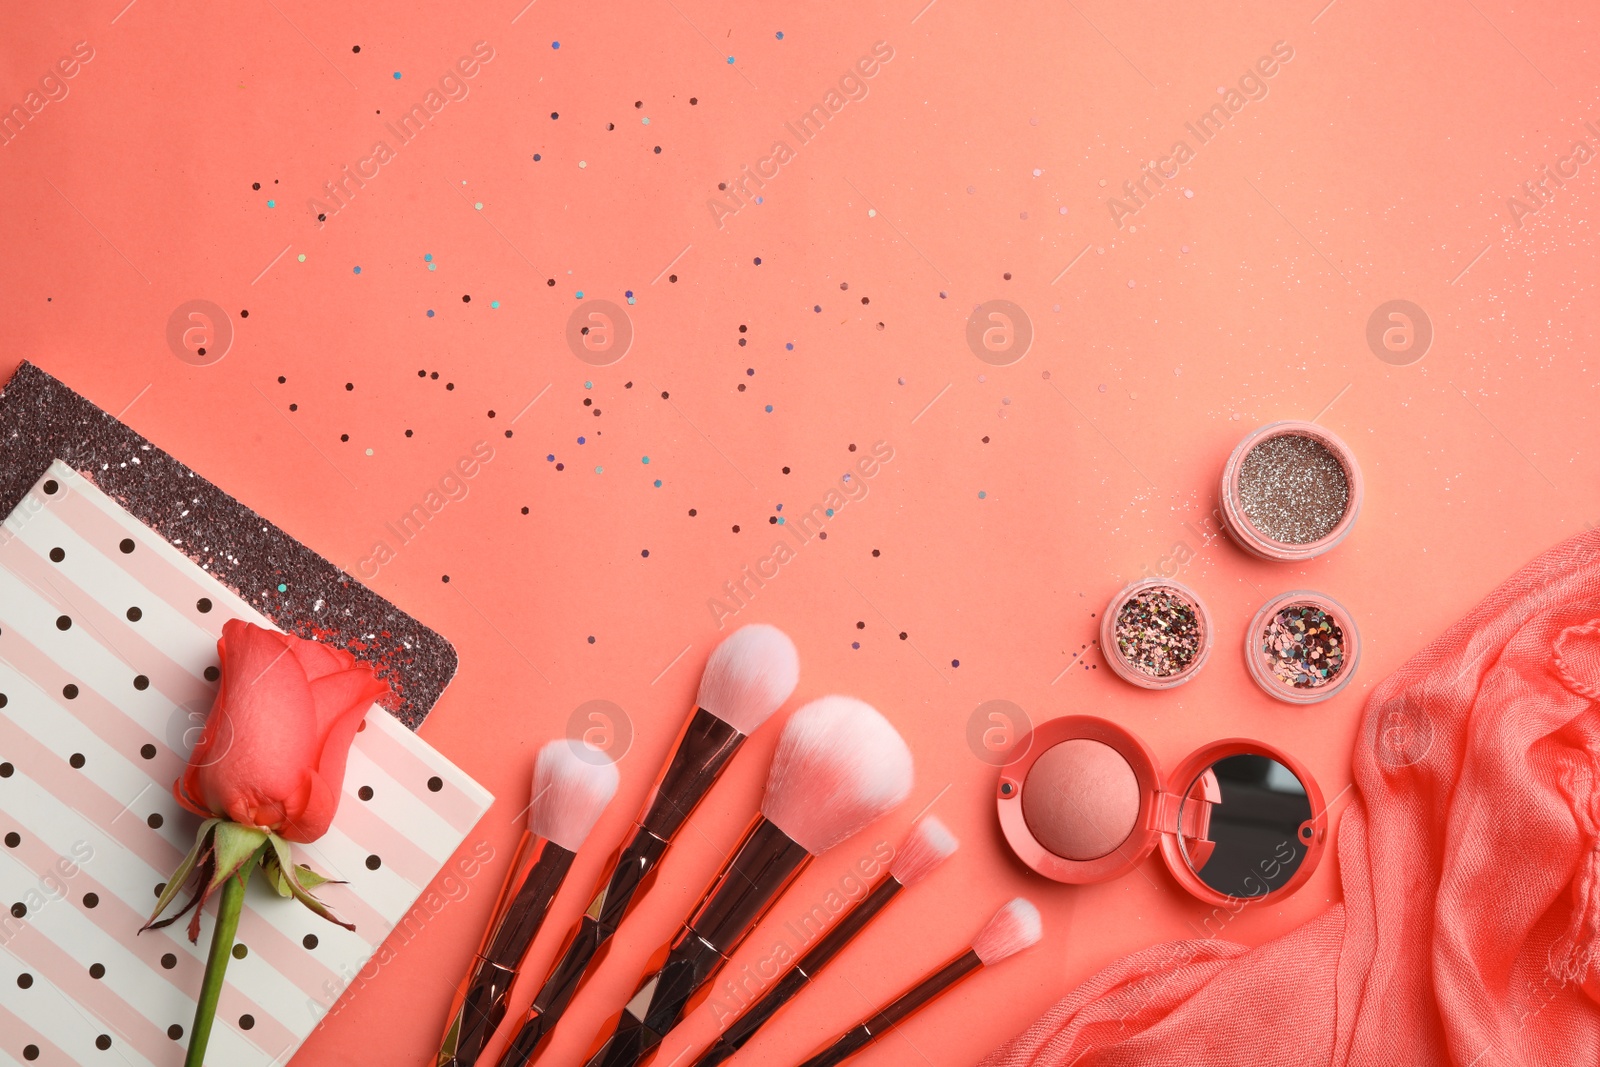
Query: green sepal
175, 884
297, 885
235, 845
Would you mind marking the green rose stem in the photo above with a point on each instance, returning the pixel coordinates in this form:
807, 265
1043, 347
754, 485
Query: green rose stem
205, 1009
224, 857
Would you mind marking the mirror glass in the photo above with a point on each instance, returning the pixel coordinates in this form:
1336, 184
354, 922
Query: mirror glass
1244, 825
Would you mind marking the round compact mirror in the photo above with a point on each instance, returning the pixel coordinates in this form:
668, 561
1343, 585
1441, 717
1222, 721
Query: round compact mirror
1246, 825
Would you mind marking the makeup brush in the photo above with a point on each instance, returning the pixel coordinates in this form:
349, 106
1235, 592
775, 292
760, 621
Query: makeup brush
748, 677
1014, 927
839, 766
928, 845
572, 784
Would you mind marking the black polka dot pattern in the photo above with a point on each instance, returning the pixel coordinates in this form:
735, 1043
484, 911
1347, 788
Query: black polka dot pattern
167, 717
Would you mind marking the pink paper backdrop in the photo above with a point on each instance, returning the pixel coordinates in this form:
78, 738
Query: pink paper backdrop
1362, 154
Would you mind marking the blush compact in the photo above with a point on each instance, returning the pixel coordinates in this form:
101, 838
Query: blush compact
1085, 801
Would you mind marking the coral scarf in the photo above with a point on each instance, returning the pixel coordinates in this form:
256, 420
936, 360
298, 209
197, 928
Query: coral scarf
1471, 872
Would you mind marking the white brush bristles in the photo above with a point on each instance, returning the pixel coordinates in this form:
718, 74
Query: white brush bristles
572, 784
929, 844
749, 676
839, 766
1014, 927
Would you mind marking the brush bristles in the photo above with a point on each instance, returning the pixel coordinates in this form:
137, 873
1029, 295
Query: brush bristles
749, 676
839, 766
1014, 927
929, 844
572, 784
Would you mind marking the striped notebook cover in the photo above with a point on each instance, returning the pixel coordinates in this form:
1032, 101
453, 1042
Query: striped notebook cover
108, 662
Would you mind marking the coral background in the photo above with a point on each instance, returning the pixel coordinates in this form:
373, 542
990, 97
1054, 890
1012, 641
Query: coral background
978, 165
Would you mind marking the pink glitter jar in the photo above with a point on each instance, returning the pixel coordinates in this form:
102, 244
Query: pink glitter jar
1302, 647
1290, 491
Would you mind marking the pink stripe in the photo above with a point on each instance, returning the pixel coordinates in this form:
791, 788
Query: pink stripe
142, 657
115, 917
359, 822
411, 772
367, 829
110, 1010
23, 1034
103, 718
146, 565
101, 810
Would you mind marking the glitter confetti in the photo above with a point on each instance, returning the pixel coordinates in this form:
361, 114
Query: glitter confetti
1304, 646
1292, 489
1158, 633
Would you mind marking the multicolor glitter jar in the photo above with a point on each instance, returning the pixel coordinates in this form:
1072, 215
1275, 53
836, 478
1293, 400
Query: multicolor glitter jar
1156, 633
1302, 647
1290, 491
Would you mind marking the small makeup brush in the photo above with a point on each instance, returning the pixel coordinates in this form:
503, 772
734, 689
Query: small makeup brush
1014, 927
748, 677
839, 766
572, 784
928, 845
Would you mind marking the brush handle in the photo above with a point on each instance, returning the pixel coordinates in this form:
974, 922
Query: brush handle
702, 752
525, 899
698, 760
762, 866
900, 1009
786, 988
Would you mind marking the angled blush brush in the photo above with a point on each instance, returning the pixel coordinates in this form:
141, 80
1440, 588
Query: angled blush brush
748, 677
839, 766
572, 784
928, 845
1014, 927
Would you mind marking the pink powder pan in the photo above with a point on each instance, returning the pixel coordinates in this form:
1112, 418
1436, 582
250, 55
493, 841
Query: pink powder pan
1086, 802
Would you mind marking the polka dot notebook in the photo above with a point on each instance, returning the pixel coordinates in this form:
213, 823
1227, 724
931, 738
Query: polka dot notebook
108, 663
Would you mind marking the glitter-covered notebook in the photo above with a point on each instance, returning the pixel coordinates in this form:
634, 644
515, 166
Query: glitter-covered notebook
108, 663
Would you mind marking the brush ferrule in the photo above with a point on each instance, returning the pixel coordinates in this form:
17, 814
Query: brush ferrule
536, 873
760, 869
924, 992
528, 904
698, 759
701, 753
849, 927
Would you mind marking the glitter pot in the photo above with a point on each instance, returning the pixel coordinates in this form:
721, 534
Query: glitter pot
1290, 491
1302, 647
1156, 633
